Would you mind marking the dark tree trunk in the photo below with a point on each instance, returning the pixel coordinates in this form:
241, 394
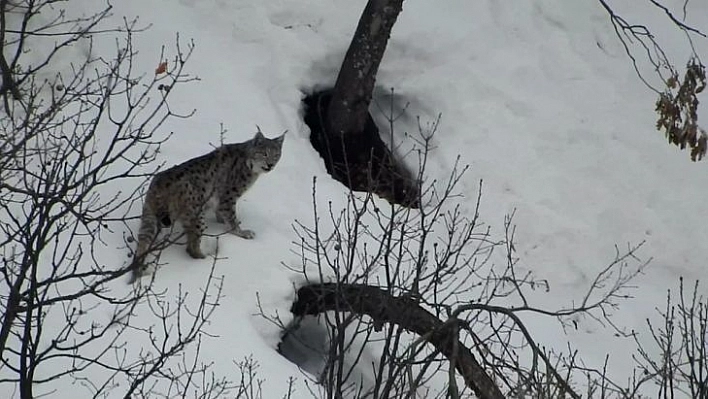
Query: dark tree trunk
8, 81
383, 307
343, 131
349, 106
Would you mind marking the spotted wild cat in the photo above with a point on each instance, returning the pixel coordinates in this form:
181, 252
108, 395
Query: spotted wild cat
184, 192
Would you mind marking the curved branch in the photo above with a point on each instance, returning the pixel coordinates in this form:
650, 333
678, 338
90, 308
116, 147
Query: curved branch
675, 20
383, 307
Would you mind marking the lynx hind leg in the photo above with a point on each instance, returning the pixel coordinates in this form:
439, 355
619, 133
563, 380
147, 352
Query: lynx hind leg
194, 228
226, 213
147, 236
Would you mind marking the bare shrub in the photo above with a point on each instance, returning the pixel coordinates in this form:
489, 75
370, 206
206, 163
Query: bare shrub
678, 365
76, 140
427, 303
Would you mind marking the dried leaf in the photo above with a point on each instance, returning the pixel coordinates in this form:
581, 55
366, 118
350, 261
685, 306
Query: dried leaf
162, 68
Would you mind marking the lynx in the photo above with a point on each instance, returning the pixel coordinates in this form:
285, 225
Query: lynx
184, 192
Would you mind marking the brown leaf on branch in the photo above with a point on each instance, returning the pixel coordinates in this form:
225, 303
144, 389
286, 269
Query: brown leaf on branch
677, 108
162, 68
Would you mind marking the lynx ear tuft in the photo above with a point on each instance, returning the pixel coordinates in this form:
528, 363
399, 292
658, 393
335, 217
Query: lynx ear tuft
281, 138
259, 134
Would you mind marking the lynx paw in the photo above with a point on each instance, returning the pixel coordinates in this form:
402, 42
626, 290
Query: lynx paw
136, 273
247, 234
139, 270
195, 253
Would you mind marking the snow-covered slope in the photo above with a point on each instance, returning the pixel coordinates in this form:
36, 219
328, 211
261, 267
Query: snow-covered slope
538, 97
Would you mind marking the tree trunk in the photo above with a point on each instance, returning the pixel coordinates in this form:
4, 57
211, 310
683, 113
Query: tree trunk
343, 131
349, 106
383, 307
8, 81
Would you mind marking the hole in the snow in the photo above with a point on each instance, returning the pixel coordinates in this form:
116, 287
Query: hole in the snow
360, 161
306, 345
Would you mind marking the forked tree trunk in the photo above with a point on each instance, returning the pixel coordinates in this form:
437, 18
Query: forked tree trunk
382, 307
351, 97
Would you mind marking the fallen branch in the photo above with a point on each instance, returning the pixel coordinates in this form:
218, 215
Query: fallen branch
403, 311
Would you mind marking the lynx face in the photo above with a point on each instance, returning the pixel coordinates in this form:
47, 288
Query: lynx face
265, 153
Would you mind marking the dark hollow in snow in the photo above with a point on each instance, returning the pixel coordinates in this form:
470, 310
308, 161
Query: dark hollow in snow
305, 343
362, 161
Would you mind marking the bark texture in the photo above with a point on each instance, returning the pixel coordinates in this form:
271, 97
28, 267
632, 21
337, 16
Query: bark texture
342, 129
349, 107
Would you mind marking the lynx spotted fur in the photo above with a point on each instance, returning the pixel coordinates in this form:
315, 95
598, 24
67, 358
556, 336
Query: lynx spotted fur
184, 192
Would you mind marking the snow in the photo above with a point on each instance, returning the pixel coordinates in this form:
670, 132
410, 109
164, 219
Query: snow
539, 98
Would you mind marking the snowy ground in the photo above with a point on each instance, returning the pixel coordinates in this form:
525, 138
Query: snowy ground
539, 98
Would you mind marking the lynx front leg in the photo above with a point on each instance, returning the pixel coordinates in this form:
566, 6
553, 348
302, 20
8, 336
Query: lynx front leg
194, 228
226, 213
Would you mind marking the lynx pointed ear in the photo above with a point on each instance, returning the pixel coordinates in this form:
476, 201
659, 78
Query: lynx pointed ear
280, 138
259, 134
